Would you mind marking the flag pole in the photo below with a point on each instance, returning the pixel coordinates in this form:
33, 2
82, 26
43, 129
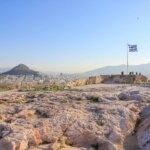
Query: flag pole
127, 58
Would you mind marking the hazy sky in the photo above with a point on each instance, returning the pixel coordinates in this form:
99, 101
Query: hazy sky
73, 35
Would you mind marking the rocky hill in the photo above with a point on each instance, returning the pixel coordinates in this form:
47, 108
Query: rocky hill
108, 70
97, 117
21, 70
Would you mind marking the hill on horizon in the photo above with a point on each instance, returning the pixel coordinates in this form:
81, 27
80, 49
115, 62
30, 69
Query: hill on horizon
21, 69
108, 70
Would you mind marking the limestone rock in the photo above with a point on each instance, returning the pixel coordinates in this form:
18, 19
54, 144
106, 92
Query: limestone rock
72, 120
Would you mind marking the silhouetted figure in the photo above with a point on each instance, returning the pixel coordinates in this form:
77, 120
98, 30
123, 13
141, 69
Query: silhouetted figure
122, 73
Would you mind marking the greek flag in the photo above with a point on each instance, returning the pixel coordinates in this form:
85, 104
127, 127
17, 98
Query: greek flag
133, 48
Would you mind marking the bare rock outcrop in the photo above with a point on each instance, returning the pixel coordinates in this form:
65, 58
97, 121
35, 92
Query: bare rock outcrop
94, 118
109, 79
144, 129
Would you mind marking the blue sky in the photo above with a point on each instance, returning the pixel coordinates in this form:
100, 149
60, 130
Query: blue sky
73, 35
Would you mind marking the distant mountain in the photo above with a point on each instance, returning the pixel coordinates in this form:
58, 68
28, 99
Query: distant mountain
143, 68
21, 70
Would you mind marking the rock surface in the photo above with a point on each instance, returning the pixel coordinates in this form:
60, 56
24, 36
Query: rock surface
97, 117
121, 79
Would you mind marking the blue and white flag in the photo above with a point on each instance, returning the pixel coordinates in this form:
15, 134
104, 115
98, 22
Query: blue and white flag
133, 48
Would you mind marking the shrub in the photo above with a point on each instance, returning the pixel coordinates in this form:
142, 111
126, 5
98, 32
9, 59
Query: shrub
95, 146
4, 89
95, 99
65, 101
